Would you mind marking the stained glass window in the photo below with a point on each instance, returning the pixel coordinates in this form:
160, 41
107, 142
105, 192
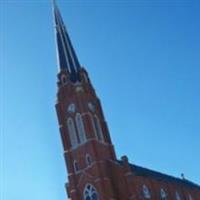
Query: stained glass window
163, 194
178, 197
146, 192
90, 193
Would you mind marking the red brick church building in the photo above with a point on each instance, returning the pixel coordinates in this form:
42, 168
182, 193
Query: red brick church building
94, 172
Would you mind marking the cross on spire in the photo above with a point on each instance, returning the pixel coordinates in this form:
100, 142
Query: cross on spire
67, 59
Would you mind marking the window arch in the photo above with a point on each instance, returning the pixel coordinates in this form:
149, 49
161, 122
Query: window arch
178, 197
90, 193
163, 194
88, 159
76, 166
80, 127
146, 192
98, 129
72, 132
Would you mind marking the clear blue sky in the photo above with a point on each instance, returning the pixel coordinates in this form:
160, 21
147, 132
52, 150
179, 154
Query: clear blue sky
143, 58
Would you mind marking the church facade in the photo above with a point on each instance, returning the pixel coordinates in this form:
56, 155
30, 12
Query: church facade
94, 172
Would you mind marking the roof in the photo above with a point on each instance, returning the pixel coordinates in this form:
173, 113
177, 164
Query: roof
67, 59
148, 173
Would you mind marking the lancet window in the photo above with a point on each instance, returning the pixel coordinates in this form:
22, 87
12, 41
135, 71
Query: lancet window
88, 159
80, 128
98, 129
76, 166
178, 197
72, 132
146, 192
163, 194
190, 197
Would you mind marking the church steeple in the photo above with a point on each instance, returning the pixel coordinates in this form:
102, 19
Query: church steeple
94, 173
84, 132
67, 59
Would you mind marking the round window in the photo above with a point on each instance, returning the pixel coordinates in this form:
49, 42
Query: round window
90, 193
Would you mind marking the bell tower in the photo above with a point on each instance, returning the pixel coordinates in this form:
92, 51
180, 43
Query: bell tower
88, 150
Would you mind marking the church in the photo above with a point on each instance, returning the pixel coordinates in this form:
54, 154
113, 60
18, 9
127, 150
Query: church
94, 172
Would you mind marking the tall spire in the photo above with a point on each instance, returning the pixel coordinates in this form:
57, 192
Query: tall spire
67, 59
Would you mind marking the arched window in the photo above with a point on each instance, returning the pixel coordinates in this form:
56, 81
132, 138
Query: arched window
97, 125
85, 77
163, 194
63, 79
80, 127
190, 197
72, 132
71, 108
90, 193
76, 166
88, 159
146, 192
178, 197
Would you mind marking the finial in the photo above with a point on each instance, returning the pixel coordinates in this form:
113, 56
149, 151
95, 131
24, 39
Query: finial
182, 176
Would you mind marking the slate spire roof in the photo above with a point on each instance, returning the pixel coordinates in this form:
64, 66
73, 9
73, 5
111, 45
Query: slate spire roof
67, 59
